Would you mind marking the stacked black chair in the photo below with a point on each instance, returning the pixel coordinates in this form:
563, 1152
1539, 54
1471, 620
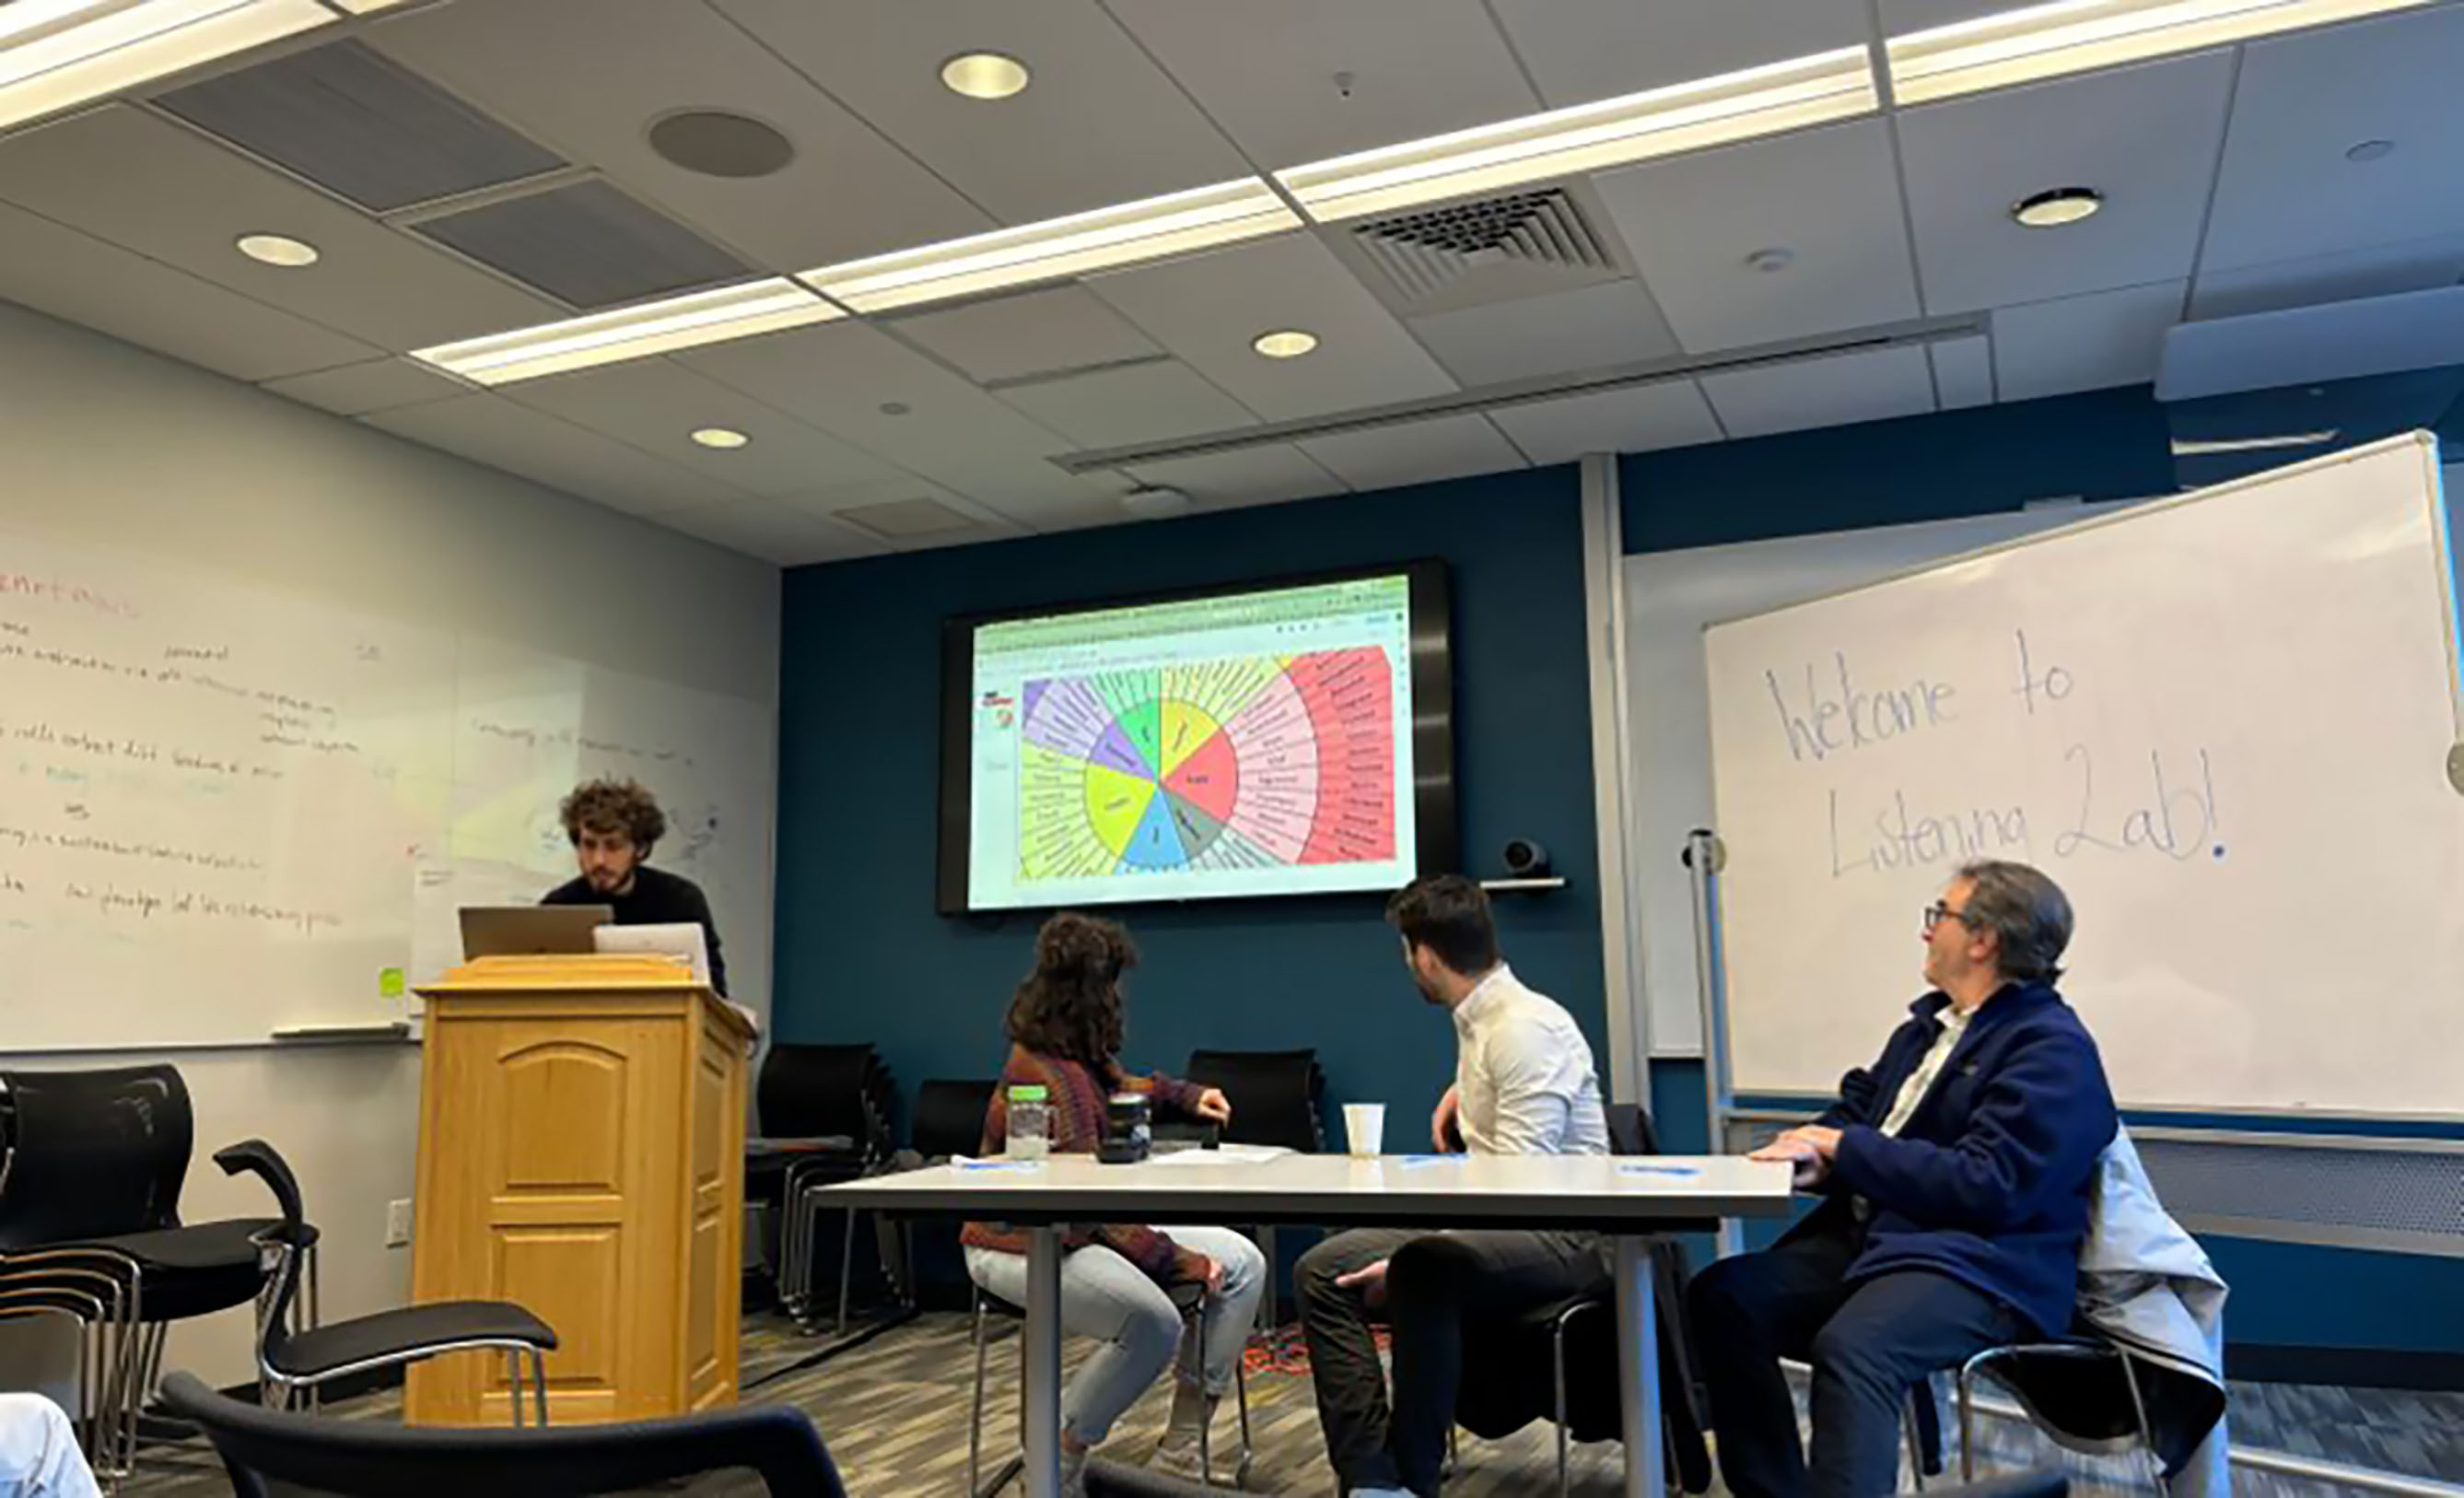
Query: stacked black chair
824, 1116
367, 1458
948, 1120
291, 1362
95, 1162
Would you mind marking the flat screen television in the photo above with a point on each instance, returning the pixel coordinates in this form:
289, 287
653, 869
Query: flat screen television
1281, 737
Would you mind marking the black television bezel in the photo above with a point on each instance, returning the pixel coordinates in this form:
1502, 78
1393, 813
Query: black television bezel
1433, 723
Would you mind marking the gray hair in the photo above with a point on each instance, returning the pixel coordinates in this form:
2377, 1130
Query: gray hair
2027, 911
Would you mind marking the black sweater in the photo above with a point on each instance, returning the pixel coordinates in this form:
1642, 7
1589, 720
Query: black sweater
657, 898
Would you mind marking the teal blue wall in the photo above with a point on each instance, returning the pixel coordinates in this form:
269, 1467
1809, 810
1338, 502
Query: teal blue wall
861, 953
2107, 445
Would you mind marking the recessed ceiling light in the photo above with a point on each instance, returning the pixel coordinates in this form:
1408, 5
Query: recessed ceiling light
985, 75
1289, 343
2370, 151
277, 250
720, 437
2058, 206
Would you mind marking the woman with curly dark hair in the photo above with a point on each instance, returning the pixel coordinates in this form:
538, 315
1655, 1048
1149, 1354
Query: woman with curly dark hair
1064, 1031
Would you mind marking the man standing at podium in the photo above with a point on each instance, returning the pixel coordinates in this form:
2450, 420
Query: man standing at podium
613, 825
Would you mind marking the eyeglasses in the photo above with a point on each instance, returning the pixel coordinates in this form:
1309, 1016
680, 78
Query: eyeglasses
1938, 911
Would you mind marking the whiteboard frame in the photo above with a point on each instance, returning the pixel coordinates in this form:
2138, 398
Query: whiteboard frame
1722, 1084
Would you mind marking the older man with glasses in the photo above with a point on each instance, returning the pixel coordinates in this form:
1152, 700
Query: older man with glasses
1955, 1172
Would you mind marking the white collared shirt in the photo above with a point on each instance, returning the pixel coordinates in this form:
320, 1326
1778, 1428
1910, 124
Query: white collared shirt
1913, 1091
1524, 1079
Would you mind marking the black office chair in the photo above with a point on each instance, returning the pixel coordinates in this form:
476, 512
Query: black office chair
365, 1459
1578, 1338
290, 1362
95, 1160
2083, 1390
823, 1112
949, 1119
92, 1294
1277, 1099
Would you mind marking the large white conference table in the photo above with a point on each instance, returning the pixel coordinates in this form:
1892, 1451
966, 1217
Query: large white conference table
1633, 1198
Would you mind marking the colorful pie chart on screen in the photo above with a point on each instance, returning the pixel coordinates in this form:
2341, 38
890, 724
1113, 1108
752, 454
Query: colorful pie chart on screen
1247, 762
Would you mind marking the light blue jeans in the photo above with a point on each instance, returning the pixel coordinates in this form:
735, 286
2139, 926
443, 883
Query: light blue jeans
1106, 1297
39, 1451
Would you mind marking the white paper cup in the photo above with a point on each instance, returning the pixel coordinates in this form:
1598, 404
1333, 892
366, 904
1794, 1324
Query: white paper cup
1364, 1127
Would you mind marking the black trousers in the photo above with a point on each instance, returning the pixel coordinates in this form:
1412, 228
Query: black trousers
1435, 1284
1869, 1344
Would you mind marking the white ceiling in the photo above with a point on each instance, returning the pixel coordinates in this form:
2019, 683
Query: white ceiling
2225, 172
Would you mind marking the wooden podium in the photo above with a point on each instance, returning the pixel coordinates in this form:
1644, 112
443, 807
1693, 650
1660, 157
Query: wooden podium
582, 1154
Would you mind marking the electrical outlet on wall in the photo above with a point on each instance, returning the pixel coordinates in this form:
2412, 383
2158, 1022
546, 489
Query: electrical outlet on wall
397, 1222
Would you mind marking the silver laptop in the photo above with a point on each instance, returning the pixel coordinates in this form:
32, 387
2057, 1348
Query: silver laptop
529, 930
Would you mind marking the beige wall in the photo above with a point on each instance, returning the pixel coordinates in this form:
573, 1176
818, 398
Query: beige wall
105, 444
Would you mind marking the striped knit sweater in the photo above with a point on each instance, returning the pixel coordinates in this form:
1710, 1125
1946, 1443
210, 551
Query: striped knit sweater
1076, 1094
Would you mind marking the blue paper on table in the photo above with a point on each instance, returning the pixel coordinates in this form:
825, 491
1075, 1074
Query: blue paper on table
1648, 1168
1016, 1165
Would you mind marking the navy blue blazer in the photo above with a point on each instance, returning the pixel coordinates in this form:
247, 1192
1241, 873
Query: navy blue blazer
1988, 1181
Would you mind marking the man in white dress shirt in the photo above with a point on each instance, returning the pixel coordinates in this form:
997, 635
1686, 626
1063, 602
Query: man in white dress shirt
1525, 1084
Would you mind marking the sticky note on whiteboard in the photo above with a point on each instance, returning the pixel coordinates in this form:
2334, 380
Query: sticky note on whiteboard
389, 983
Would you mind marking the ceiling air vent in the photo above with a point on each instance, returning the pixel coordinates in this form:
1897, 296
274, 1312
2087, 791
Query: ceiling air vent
1519, 244
587, 244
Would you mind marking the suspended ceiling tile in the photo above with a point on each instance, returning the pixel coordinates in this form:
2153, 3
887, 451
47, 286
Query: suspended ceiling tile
1963, 372
169, 194
1209, 310
863, 386
2288, 190
1098, 124
1062, 327
910, 514
589, 78
1584, 50
772, 532
1152, 402
656, 405
1446, 447
1267, 475
1637, 419
1597, 327
1835, 392
489, 429
2146, 137
373, 386
2379, 270
1829, 199
77, 278
2089, 343
1265, 70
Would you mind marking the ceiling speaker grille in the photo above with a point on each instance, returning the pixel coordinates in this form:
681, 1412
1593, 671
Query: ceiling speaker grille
1424, 253
361, 125
587, 244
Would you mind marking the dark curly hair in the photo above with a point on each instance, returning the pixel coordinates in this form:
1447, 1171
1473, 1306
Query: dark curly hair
1071, 1005
614, 805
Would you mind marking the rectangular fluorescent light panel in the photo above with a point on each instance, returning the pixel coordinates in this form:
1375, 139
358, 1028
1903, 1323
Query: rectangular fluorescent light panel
2046, 41
609, 338
1613, 132
58, 54
1060, 248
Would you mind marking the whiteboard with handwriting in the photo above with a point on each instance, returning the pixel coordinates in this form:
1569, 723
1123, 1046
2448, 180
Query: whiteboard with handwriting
226, 812
2220, 722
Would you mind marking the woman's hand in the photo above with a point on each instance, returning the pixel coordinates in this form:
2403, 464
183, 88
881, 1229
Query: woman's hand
1212, 1276
1213, 1106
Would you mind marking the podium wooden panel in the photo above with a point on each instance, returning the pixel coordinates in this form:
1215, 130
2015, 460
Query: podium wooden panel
581, 1154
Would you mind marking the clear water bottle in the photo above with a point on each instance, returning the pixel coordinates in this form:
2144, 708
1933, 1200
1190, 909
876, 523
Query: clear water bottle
1030, 1122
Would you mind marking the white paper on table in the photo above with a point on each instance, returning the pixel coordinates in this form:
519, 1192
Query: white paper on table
1222, 1155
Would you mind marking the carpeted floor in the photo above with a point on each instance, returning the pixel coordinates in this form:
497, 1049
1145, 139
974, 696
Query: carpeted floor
894, 1414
